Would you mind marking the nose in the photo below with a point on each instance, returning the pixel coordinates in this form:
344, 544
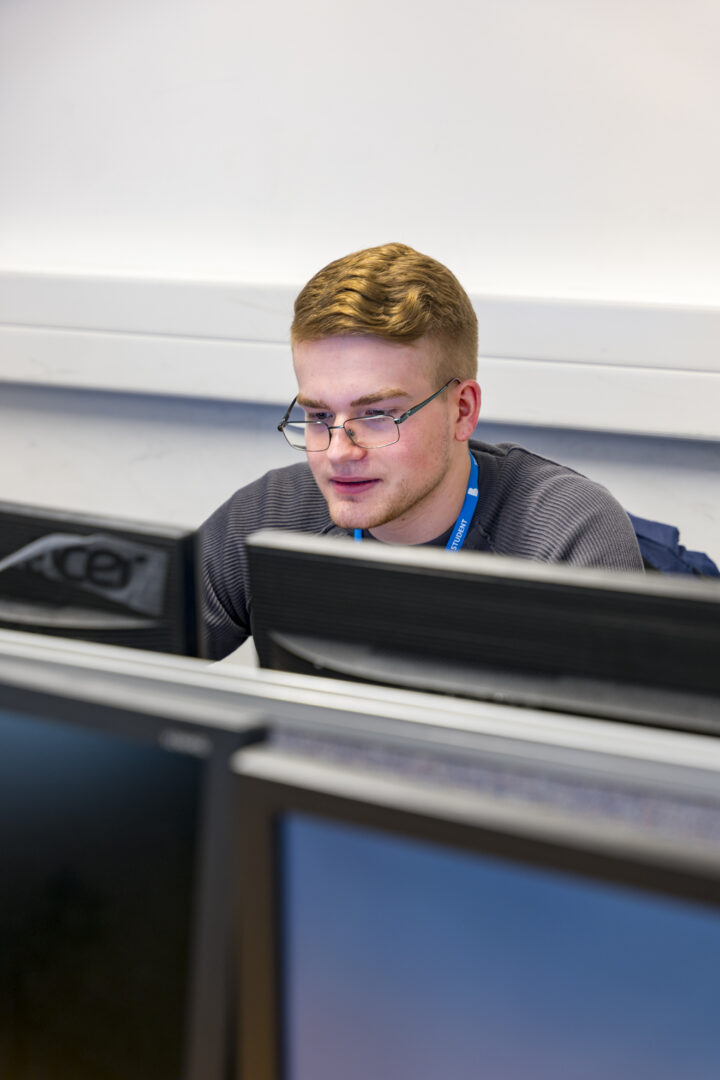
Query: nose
342, 448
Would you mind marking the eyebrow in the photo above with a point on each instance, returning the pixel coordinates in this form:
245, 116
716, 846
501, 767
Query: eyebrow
386, 394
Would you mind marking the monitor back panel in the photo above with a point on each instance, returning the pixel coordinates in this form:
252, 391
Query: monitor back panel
97, 578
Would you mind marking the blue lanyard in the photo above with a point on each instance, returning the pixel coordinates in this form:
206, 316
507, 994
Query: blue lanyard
460, 528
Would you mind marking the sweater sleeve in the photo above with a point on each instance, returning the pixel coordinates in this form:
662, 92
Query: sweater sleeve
597, 531
285, 498
538, 509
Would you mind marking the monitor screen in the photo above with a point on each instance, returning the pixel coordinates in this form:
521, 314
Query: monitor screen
473, 938
98, 843
608, 644
408, 958
97, 578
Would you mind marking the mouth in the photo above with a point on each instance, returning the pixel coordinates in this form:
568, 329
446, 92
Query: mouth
346, 485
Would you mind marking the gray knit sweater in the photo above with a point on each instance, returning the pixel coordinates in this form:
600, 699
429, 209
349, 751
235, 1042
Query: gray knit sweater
528, 507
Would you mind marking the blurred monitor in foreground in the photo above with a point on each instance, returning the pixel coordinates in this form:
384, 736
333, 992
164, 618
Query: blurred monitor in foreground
600, 643
425, 907
97, 578
113, 862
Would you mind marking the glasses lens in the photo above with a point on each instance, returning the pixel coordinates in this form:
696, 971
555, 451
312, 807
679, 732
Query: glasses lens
371, 432
307, 434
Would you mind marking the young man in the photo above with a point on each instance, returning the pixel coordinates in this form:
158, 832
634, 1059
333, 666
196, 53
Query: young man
385, 354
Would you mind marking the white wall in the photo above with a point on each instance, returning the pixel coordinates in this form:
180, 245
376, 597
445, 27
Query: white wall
540, 147
172, 172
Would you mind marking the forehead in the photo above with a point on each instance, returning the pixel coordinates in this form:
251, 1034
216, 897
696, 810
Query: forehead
346, 368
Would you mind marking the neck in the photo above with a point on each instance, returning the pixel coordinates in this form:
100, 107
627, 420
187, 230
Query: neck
433, 515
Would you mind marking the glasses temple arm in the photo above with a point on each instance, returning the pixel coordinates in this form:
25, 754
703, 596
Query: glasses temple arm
286, 417
427, 401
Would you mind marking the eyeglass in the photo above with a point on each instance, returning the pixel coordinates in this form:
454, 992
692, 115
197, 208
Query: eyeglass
368, 432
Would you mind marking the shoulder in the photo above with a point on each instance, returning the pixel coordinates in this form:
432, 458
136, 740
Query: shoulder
282, 498
536, 508
286, 498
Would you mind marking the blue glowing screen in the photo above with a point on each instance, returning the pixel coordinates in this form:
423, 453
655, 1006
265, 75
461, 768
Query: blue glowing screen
410, 961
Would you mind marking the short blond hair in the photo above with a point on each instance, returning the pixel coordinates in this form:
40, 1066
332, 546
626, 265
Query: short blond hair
395, 293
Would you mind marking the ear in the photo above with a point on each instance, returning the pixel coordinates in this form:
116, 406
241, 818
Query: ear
467, 410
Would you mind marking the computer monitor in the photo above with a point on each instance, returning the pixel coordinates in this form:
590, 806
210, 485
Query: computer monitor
413, 910
97, 578
620, 645
114, 839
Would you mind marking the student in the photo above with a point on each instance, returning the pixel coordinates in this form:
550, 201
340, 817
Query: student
385, 354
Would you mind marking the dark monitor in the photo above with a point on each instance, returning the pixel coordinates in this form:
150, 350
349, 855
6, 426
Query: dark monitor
97, 579
610, 644
114, 898
408, 913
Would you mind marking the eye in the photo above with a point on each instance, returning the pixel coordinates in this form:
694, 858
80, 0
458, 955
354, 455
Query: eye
313, 414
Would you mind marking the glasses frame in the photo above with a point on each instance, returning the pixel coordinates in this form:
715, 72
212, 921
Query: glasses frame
397, 420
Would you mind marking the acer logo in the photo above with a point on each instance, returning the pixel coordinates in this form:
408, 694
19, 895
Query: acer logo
98, 566
127, 572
